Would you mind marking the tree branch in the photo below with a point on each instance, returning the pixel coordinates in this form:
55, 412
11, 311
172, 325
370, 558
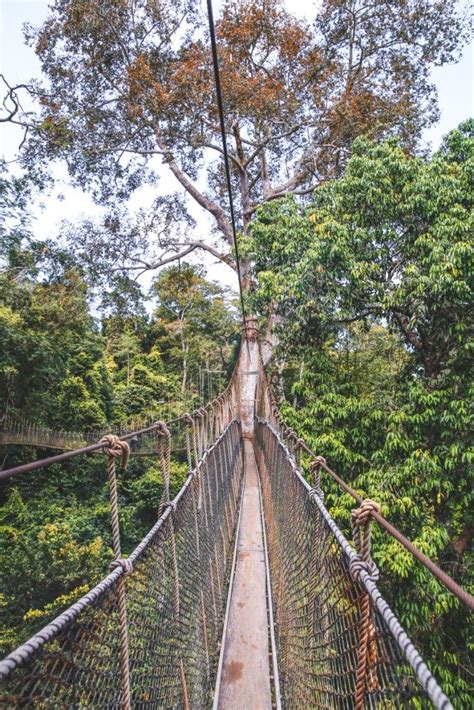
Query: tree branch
216, 211
11, 95
192, 246
220, 150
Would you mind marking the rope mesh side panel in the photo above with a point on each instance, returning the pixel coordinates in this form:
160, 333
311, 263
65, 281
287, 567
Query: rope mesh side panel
78, 667
318, 606
74, 662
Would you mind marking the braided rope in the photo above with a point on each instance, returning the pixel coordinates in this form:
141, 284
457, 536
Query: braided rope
192, 446
164, 454
365, 579
201, 429
315, 468
361, 521
191, 423
114, 448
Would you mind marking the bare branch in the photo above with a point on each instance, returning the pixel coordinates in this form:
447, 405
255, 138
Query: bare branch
231, 155
216, 211
12, 96
143, 266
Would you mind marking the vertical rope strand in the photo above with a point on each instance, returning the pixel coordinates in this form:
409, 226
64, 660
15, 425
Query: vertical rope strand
113, 447
164, 452
361, 520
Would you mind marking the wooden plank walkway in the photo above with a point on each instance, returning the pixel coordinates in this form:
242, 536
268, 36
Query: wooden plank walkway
245, 673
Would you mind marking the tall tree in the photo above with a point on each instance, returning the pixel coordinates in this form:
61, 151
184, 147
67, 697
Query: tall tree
390, 239
130, 81
199, 321
372, 287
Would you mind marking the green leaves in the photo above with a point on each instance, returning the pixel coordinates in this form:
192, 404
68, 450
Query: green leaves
370, 286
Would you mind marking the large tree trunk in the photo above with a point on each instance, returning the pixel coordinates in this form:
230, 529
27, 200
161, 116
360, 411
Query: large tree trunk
269, 339
249, 371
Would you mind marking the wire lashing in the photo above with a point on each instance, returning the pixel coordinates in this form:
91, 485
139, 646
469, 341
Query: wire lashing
361, 521
114, 448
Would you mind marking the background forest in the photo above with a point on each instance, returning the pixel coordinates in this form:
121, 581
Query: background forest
370, 288
357, 256
64, 368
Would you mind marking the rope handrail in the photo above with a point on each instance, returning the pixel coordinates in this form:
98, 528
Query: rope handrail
344, 646
50, 630
185, 573
442, 576
42, 463
150, 630
445, 579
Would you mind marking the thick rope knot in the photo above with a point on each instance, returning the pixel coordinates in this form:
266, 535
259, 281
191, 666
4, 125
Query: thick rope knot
188, 420
362, 515
317, 463
164, 453
358, 565
315, 468
162, 430
316, 492
361, 521
124, 563
114, 447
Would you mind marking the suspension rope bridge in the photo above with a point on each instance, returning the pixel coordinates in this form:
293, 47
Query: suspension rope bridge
244, 594
16, 431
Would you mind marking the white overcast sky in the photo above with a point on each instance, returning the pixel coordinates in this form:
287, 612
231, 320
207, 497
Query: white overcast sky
19, 63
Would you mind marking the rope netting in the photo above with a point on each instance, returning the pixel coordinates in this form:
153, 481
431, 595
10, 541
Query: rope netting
148, 635
17, 432
339, 645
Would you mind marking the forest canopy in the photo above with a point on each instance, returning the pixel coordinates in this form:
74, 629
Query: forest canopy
370, 287
127, 98
357, 258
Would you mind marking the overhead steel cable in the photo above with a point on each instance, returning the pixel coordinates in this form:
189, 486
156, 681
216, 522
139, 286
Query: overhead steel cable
220, 106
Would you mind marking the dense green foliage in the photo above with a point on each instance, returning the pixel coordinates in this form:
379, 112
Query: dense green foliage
368, 284
370, 288
63, 368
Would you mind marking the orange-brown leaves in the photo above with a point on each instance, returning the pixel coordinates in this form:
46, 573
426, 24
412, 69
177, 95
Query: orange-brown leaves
191, 76
262, 53
140, 76
144, 90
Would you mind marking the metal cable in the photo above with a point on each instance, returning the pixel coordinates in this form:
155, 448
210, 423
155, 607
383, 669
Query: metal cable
339, 644
269, 409
220, 106
226, 395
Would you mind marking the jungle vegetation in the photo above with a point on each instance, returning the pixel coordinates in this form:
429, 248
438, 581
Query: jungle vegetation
357, 257
71, 361
370, 289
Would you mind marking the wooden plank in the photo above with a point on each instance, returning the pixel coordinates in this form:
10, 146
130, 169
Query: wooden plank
245, 679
